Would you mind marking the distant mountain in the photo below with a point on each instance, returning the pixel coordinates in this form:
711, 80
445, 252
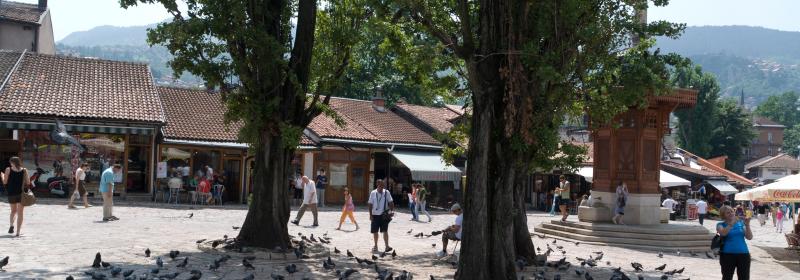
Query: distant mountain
107, 35
125, 44
757, 61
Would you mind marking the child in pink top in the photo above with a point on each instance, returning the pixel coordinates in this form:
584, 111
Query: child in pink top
347, 209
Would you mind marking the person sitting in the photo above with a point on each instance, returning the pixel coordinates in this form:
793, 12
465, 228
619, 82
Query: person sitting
204, 190
452, 232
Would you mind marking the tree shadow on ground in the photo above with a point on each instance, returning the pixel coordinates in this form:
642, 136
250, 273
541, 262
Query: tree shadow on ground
786, 257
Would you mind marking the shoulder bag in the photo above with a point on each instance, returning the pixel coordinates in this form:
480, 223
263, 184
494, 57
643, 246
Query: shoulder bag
386, 215
717, 243
27, 197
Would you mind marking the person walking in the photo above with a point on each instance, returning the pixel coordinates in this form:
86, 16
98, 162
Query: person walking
309, 201
702, 209
622, 199
15, 177
773, 209
780, 217
107, 191
563, 193
347, 209
734, 254
762, 210
321, 182
422, 196
80, 186
412, 202
381, 210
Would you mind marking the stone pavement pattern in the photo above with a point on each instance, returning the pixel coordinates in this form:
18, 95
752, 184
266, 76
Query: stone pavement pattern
56, 242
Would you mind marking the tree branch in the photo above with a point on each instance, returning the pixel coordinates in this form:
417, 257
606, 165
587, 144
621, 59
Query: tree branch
419, 14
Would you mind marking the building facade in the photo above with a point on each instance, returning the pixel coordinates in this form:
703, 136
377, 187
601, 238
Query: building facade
769, 140
26, 27
770, 168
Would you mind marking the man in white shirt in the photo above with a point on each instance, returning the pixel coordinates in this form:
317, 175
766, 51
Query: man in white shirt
702, 209
185, 173
452, 232
380, 201
309, 201
669, 203
209, 173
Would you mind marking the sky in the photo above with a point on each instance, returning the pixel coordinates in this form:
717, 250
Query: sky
80, 15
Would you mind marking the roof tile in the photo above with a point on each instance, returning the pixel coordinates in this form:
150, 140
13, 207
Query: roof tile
437, 118
20, 11
196, 115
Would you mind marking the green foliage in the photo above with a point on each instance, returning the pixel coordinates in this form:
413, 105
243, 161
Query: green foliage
695, 123
791, 140
781, 108
733, 131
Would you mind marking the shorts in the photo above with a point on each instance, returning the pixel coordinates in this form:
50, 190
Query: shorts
620, 210
563, 202
378, 224
298, 193
82, 188
450, 235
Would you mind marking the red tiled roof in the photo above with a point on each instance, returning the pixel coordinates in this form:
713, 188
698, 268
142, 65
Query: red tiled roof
780, 161
7, 61
732, 176
699, 172
196, 115
20, 11
61, 86
364, 123
437, 118
762, 121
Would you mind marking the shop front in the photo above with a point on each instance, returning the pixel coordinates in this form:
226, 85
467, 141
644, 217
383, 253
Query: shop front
344, 169
226, 162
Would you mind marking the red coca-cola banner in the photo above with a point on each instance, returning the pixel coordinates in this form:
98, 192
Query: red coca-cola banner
786, 194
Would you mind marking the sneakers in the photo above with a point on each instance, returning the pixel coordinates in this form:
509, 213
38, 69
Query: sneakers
88, 205
315, 225
389, 249
11, 230
71, 207
375, 249
114, 218
441, 254
296, 222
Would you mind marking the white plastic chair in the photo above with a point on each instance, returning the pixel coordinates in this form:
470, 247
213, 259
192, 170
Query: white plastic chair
174, 189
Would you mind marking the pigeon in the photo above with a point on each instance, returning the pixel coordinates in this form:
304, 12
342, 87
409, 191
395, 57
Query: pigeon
215, 243
170, 275
374, 258
587, 276
312, 238
147, 252
249, 277
235, 227
336, 251
4, 262
98, 276
325, 265
247, 264
276, 276
174, 254
664, 277
433, 245
105, 264
693, 254
419, 235
184, 262
345, 274
69, 277
579, 271
435, 233
577, 243
299, 254
709, 255
661, 268
409, 231
329, 261
214, 266
554, 241
97, 260
200, 241
637, 266
159, 262
679, 271
292, 268
350, 255
190, 215
660, 254
115, 271
383, 254
196, 275
155, 270
394, 254
599, 257
127, 273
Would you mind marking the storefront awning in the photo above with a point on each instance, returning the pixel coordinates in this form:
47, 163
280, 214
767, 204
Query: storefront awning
666, 179
427, 166
723, 187
77, 128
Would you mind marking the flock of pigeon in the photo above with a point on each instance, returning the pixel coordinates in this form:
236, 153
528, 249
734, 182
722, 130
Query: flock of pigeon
563, 266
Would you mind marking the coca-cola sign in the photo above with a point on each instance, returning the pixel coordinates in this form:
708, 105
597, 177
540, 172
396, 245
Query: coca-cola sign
786, 194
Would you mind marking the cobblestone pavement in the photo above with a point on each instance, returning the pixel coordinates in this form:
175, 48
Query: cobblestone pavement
57, 242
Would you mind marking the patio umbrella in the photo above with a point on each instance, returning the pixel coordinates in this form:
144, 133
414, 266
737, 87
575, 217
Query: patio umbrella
786, 190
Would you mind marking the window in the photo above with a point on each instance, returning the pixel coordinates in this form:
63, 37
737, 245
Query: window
769, 151
769, 137
338, 174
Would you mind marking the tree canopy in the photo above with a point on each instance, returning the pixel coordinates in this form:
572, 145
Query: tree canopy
733, 132
694, 124
783, 108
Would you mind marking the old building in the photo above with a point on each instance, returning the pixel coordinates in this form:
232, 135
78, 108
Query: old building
770, 168
26, 27
768, 141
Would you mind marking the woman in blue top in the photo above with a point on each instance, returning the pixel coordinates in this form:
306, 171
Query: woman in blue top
734, 255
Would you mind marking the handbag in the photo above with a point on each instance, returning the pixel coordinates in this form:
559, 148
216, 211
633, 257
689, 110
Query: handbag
28, 198
717, 243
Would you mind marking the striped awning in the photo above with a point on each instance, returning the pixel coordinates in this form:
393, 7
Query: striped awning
78, 128
427, 166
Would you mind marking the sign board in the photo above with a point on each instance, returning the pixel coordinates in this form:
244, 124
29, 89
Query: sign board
161, 170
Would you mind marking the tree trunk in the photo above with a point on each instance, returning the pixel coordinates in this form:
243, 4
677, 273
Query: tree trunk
523, 244
266, 224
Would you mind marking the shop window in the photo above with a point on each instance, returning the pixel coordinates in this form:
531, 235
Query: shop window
338, 174
201, 158
6, 134
137, 139
174, 159
359, 157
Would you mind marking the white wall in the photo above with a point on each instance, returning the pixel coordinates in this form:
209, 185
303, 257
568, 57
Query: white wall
47, 44
13, 36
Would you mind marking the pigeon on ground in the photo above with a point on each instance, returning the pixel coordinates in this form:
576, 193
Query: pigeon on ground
435, 233
190, 215
554, 241
292, 268
196, 274
587, 276
105, 264
374, 257
299, 254
276, 276
345, 274
170, 275
69, 277
97, 260
327, 266
664, 277
579, 271
184, 262
577, 243
637, 266
159, 262
247, 264
394, 254
679, 271
420, 235
433, 245
155, 270
98, 276
215, 243
147, 252
214, 266
4, 262
409, 231
115, 271
249, 277
173, 254
709, 255
661, 268
200, 241
235, 228
350, 255
336, 251
127, 273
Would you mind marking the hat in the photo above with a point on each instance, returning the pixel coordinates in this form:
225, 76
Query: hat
455, 207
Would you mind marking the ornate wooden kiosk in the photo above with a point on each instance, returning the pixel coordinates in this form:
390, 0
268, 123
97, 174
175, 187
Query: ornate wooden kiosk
629, 149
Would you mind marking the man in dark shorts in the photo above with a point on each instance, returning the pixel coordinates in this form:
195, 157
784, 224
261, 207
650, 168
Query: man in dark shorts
380, 201
452, 232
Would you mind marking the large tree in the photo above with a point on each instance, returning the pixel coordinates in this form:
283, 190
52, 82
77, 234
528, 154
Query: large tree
783, 108
273, 75
695, 123
528, 65
732, 134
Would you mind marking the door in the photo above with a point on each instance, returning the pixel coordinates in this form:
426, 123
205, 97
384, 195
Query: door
358, 183
232, 170
138, 157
